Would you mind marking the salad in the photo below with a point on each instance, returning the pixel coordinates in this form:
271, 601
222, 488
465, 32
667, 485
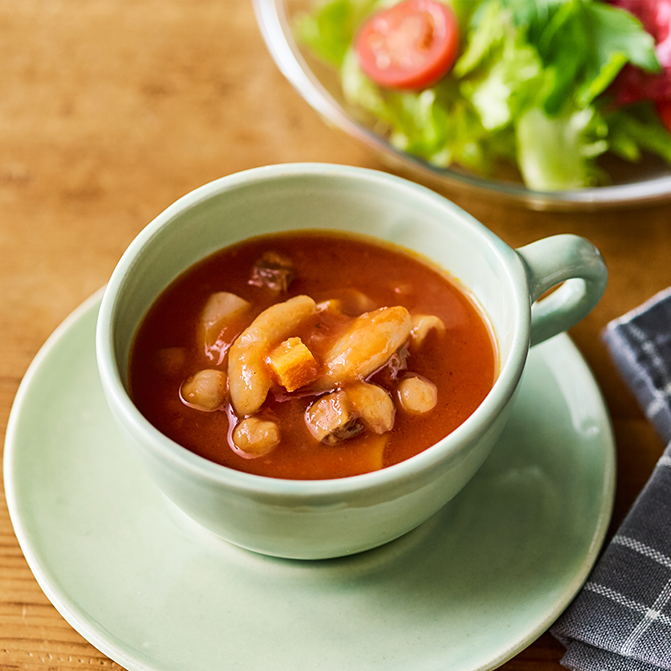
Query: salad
548, 86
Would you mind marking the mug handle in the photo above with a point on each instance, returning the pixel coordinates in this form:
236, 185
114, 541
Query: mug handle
572, 260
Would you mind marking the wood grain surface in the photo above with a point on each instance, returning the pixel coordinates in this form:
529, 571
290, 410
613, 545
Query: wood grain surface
112, 109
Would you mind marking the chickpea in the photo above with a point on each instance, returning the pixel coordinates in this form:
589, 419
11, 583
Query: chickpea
374, 405
417, 395
205, 390
256, 437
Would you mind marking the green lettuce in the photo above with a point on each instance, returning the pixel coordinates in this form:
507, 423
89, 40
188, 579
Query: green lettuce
636, 129
530, 87
559, 152
329, 31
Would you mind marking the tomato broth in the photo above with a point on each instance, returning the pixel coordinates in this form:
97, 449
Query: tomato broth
315, 421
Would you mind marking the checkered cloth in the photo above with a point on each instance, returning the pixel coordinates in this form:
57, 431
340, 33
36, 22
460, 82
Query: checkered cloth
621, 620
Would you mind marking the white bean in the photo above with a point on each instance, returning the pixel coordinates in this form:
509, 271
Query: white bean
249, 378
375, 447
422, 325
222, 309
256, 437
366, 346
348, 301
205, 390
417, 395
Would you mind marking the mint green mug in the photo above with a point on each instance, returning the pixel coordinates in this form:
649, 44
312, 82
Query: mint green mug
330, 518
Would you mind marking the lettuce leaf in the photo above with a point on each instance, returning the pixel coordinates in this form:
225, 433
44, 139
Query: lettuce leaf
582, 44
328, 31
559, 152
637, 128
436, 124
530, 86
499, 72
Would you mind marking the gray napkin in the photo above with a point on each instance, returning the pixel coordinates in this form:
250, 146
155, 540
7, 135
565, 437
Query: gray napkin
621, 620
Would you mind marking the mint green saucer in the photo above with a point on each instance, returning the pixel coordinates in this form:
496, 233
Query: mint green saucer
466, 591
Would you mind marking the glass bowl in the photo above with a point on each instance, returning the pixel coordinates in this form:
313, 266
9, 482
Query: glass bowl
643, 183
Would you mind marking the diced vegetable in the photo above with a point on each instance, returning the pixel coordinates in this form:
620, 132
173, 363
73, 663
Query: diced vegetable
292, 364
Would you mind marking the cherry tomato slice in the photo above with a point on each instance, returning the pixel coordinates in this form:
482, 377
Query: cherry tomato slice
664, 111
411, 45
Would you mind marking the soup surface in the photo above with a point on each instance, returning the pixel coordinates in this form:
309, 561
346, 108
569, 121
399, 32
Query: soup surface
311, 355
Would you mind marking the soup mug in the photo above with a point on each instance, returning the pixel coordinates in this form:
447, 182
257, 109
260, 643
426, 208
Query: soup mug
330, 518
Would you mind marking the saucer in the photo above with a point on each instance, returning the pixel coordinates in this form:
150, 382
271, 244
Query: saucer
467, 590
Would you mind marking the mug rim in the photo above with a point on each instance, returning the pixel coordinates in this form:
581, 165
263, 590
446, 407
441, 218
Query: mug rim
168, 450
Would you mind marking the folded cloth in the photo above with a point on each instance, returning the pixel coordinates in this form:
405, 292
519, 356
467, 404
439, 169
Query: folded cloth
621, 619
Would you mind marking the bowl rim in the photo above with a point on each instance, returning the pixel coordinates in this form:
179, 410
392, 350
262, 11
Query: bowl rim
170, 452
275, 29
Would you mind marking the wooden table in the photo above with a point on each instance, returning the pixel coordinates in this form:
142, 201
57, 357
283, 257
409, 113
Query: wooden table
109, 111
